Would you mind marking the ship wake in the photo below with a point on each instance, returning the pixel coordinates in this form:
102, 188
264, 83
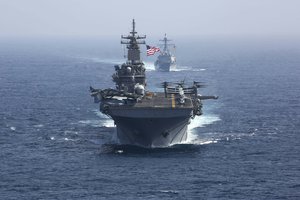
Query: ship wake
193, 130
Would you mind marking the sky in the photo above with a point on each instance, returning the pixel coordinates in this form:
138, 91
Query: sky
22, 18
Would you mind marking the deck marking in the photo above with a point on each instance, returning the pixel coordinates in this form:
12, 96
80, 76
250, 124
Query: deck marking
173, 101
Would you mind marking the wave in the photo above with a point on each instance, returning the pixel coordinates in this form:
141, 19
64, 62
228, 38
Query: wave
179, 68
104, 121
149, 66
98, 123
203, 120
67, 132
69, 139
38, 126
198, 122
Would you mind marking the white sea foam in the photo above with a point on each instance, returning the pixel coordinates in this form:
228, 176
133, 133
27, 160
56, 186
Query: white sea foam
105, 120
196, 140
150, 67
100, 114
169, 191
197, 122
179, 68
108, 123
69, 139
207, 142
38, 126
203, 120
196, 70
70, 132
119, 151
98, 123
13, 128
186, 68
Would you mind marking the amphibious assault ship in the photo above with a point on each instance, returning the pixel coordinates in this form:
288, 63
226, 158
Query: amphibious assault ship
166, 59
144, 118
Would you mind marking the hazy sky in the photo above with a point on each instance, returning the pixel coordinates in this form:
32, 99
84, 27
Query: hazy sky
154, 17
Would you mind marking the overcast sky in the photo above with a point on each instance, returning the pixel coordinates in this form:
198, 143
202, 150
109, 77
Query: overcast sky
154, 17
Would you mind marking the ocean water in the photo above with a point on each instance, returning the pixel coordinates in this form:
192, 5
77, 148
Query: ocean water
55, 144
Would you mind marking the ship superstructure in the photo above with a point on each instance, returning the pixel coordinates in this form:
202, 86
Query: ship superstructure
144, 118
166, 60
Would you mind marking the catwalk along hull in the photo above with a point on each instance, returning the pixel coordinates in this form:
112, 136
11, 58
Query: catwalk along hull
151, 127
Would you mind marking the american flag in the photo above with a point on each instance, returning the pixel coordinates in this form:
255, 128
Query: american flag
152, 50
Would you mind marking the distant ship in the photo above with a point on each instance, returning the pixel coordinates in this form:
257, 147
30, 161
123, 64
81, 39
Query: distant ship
144, 118
166, 60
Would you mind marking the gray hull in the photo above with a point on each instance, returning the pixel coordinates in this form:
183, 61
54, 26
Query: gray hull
152, 128
147, 132
164, 63
164, 67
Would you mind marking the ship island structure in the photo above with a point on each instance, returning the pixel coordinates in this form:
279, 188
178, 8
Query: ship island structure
144, 118
166, 60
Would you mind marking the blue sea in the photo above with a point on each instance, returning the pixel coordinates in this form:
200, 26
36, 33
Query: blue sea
55, 144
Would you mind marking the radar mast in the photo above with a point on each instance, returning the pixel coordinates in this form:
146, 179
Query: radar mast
132, 42
131, 74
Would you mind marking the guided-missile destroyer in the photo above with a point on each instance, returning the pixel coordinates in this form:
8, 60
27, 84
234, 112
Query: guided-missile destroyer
166, 60
145, 118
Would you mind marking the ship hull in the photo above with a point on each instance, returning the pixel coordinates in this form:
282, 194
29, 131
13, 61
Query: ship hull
164, 63
151, 128
163, 67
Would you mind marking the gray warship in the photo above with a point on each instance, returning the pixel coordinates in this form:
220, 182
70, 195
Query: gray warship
166, 59
144, 118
